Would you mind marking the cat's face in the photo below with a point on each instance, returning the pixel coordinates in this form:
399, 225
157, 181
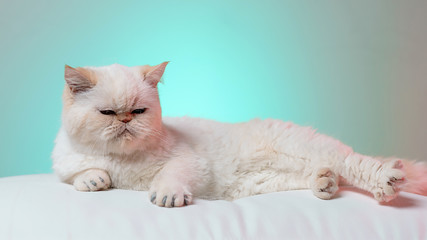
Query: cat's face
113, 109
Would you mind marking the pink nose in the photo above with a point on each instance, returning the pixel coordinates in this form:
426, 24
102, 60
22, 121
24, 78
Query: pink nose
126, 120
127, 117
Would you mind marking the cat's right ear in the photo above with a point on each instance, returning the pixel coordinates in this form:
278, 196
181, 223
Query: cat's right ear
153, 74
78, 79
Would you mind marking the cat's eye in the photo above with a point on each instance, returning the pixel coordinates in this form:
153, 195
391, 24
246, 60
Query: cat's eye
139, 111
107, 112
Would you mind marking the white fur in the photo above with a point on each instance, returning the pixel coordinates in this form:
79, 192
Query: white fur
180, 158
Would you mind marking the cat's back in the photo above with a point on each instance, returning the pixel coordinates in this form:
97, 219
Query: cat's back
210, 136
196, 130
247, 139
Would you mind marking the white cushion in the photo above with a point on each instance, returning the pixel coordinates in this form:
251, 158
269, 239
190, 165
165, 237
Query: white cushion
41, 207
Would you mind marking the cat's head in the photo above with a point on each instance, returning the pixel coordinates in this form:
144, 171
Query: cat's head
113, 109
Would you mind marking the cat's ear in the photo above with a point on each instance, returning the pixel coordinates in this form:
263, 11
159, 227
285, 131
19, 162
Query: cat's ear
78, 79
153, 74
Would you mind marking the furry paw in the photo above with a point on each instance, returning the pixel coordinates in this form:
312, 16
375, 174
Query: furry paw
390, 181
170, 195
92, 180
324, 183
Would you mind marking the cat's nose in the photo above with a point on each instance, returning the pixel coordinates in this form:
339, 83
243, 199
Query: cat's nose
127, 117
126, 120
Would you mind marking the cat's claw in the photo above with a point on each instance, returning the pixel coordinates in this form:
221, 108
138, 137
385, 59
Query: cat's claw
92, 180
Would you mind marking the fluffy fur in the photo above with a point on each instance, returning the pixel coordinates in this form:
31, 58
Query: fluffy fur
113, 135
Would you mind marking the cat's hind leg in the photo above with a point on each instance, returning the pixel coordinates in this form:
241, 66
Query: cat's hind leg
324, 183
383, 179
390, 182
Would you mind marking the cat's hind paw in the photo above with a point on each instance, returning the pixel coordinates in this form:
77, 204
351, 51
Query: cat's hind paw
92, 180
324, 183
390, 182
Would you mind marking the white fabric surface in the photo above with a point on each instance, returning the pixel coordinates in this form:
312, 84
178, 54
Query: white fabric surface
40, 207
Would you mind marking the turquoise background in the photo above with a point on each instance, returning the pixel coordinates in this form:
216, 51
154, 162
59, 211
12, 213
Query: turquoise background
354, 70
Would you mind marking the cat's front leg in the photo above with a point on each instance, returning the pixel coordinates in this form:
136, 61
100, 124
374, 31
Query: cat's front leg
170, 192
92, 180
84, 172
176, 183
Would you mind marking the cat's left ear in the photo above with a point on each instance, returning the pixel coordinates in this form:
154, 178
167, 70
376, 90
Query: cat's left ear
155, 73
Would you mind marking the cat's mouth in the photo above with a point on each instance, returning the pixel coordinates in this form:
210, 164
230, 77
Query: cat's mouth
126, 133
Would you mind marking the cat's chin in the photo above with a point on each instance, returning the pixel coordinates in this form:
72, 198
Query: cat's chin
126, 144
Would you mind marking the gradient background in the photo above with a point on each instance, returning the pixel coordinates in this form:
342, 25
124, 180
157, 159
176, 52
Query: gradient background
353, 70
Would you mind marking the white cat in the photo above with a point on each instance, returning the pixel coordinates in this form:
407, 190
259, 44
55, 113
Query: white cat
112, 135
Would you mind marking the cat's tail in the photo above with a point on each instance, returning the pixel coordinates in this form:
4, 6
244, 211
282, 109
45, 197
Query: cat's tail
416, 177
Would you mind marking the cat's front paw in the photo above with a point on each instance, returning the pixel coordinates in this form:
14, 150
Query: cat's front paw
390, 182
92, 180
170, 194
